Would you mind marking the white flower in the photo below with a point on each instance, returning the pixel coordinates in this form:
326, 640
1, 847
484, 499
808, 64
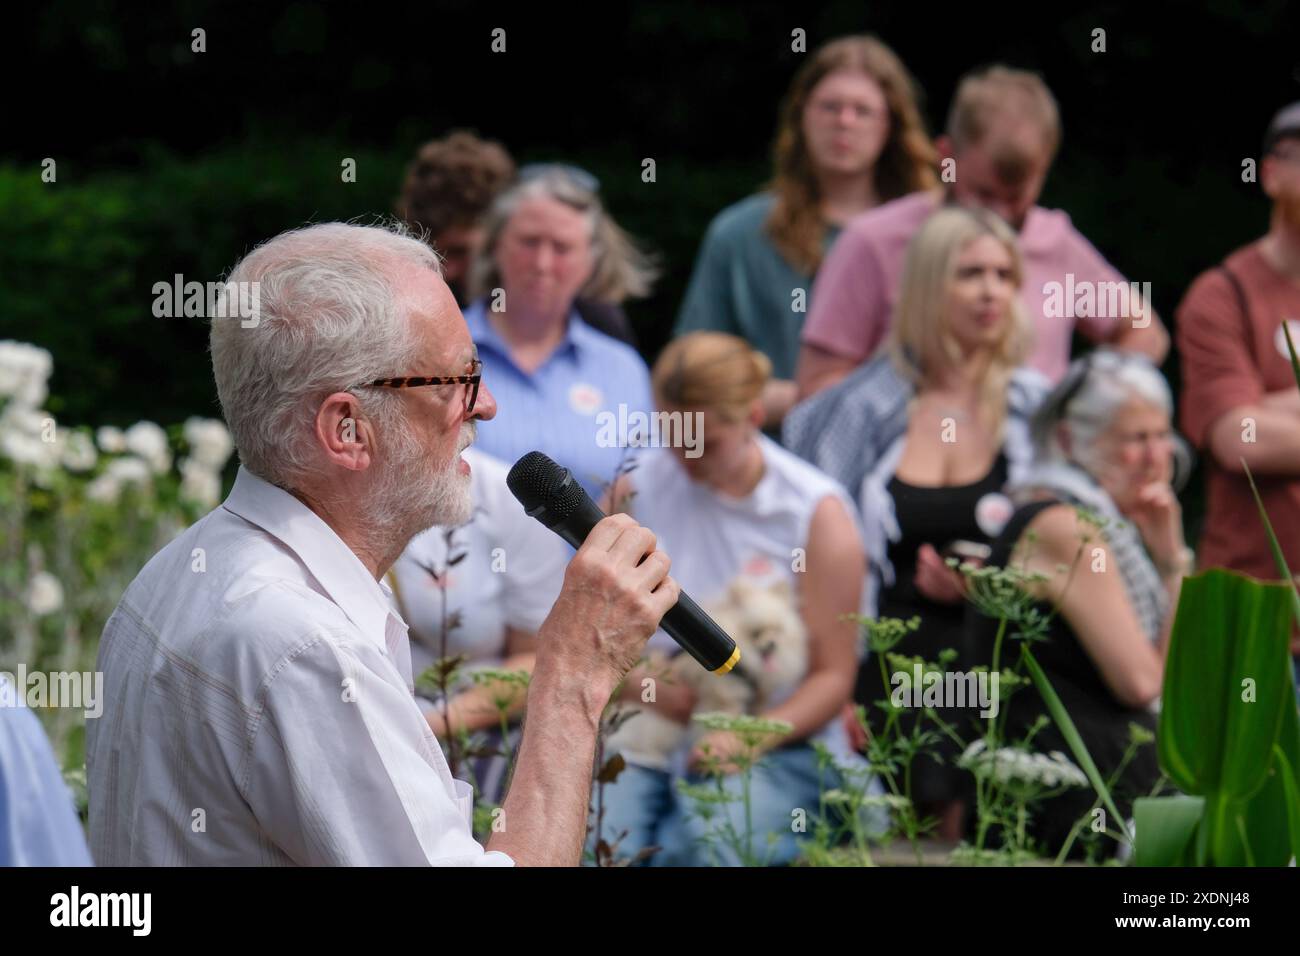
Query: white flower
105, 489
972, 751
199, 483
209, 441
111, 440
108, 487
129, 470
23, 434
1010, 766
150, 442
1070, 774
79, 452
24, 371
44, 594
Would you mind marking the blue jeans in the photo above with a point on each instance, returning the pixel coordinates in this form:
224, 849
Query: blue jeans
647, 805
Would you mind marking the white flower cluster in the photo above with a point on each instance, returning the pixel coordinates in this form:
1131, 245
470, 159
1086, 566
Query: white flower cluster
44, 594
1009, 766
210, 448
24, 372
145, 452
29, 437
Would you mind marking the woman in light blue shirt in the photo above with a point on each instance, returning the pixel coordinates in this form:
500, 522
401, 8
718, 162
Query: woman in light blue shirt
563, 388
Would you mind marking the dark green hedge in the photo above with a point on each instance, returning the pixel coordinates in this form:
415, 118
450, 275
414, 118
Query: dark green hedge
79, 257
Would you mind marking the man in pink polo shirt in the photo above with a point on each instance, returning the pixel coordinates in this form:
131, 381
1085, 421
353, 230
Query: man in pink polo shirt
1003, 131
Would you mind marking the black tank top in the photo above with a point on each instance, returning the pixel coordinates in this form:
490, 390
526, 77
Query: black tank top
935, 516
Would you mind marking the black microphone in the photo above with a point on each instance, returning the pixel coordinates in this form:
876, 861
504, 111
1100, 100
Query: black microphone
553, 496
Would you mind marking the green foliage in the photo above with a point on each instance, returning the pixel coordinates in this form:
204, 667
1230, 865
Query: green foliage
81, 256
1229, 732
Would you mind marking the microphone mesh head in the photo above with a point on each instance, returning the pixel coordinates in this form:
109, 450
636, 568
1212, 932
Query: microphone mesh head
538, 481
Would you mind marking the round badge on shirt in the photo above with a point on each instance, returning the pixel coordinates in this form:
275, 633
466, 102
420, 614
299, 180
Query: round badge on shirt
585, 399
1279, 337
992, 512
758, 567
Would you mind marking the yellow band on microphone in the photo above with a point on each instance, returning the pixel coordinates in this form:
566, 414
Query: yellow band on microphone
731, 662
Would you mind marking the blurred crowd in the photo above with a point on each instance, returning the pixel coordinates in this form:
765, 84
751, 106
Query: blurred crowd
877, 347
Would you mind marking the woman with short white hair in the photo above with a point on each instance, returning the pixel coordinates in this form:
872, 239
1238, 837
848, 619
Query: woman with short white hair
1104, 444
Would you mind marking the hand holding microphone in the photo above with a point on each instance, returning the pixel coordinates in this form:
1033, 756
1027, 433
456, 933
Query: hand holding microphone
616, 570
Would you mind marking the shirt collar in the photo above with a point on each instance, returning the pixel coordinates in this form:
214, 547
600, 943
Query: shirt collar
1029, 237
577, 334
334, 565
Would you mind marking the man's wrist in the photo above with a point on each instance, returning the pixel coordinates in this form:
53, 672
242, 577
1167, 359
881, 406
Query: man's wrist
568, 686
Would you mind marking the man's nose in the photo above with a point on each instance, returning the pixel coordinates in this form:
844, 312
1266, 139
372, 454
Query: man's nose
485, 406
543, 259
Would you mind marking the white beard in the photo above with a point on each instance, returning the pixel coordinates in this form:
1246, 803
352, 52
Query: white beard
408, 498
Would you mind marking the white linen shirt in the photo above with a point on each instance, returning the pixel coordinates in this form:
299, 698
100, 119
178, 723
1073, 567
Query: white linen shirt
259, 708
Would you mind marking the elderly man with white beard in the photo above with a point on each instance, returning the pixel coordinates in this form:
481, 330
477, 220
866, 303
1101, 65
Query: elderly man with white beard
258, 685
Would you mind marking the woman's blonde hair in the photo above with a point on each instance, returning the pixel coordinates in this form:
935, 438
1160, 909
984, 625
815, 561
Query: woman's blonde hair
710, 371
906, 163
620, 268
920, 340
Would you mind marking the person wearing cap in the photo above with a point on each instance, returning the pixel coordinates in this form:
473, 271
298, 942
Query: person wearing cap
1240, 403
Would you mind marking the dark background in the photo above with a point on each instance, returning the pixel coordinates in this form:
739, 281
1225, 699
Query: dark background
171, 161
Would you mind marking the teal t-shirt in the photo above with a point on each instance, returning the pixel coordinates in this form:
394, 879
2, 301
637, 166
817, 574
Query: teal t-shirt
744, 286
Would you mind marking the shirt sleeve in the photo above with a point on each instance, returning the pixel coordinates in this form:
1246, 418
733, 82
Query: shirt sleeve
38, 823
1218, 373
708, 305
341, 770
849, 313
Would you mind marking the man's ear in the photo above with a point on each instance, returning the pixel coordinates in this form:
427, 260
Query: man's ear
343, 434
944, 146
756, 413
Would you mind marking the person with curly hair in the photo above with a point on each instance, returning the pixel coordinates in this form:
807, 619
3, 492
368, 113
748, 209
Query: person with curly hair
448, 187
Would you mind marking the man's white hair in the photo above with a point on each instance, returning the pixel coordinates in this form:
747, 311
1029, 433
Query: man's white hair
327, 319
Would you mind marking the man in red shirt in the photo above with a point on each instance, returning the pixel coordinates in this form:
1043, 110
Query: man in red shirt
1239, 397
